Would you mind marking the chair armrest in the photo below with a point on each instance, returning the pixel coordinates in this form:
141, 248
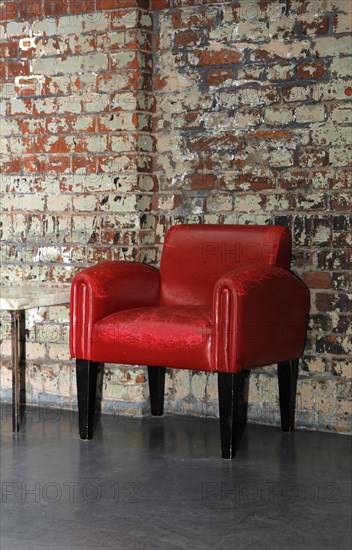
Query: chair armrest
106, 288
260, 317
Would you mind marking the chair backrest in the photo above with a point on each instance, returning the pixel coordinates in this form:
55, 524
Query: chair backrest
195, 256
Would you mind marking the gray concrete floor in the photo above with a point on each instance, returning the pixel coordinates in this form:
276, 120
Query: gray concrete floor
158, 483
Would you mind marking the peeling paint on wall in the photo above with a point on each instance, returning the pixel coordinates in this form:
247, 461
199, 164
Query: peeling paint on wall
119, 122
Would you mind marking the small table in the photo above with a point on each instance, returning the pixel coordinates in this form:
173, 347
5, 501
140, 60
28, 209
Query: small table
15, 300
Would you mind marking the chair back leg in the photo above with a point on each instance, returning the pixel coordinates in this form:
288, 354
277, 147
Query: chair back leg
233, 404
287, 378
86, 376
156, 378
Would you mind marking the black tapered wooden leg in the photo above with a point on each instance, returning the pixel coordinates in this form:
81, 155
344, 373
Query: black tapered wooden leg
287, 378
233, 403
86, 375
156, 378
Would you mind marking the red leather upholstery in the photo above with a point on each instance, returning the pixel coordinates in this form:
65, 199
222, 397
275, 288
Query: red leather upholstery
103, 289
172, 336
196, 256
260, 314
224, 301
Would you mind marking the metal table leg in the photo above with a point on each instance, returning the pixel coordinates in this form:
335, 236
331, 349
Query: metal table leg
16, 371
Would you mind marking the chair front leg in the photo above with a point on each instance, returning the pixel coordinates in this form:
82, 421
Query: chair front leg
233, 403
156, 379
86, 376
287, 378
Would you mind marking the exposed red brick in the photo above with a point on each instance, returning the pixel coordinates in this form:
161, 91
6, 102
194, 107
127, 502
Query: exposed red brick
118, 20
256, 182
18, 68
27, 144
81, 6
89, 164
328, 301
218, 76
310, 69
180, 19
156, 43
57, 164
341, 178
34, 164
177, 19
133, 64
27, 86
188, 38
119, 4
319, 26
317, 279
159, 82
192, 116
221, 57
11, 166
56, 7
48, 145
295, 180
27, 124
270, 134
8, 10
156, 199
40, 110
202, 181
341, 202
3, 70
206, 143
308, 156
52, 86
8, 49
160, 4
28, 9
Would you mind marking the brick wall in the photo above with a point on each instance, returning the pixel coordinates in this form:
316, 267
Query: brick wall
76, 143
251, 124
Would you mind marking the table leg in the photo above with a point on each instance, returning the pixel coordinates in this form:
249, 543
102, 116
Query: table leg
16, 370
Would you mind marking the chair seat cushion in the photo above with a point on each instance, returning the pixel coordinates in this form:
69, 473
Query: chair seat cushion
170, 336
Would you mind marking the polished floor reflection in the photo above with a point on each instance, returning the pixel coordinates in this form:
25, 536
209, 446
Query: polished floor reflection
159, 483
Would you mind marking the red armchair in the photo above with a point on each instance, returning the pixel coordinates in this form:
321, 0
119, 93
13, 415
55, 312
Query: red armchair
223, 300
